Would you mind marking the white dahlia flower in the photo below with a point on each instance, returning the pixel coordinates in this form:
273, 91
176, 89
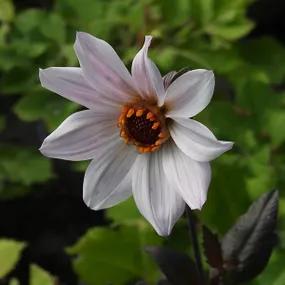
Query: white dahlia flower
137, 131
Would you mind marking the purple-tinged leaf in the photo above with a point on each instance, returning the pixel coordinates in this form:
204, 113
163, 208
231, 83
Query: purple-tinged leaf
247, 246
172, 76
212, 249
180, 72
178, 268
168, 78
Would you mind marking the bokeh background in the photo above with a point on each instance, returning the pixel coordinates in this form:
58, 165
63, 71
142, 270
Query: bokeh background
46, 231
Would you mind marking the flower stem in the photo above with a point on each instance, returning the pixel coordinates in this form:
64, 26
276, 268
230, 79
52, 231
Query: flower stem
194, 239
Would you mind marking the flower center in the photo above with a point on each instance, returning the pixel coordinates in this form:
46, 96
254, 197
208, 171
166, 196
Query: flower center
144, 126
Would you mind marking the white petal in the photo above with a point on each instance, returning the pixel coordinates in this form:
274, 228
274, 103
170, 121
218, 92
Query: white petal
103, 68
80, 136
157, 201
70, 83
147, 75
191, 178
196, 140
190, 93
107, 180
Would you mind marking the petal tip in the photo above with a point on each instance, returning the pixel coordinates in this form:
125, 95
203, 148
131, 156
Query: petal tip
83, 36
208, 73
148, 38
164, 230
80, 34
89, 201
163, 233
211, 72
198, 206
147, 41
41, 71
228, 145
42, 76
43, 150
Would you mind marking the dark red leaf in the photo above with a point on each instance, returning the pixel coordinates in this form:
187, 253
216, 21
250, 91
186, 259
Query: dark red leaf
176, 266
247, 246
212, 249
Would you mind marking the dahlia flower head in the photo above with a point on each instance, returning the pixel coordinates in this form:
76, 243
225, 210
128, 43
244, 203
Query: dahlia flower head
137, 130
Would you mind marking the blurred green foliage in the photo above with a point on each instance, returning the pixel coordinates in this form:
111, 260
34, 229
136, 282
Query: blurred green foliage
10, 252
40, 276
248, 108
118, 250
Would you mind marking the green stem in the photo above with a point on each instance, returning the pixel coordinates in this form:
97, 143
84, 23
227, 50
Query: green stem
194, 239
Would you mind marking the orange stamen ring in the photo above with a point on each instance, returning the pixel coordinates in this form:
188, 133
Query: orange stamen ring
144, 126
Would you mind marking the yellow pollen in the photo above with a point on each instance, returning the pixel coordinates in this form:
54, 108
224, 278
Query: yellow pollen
154, 148
155, 125
147, 149
139, 112
147, 130
142, 149
158, 142
126, 140
130, 112
149, 115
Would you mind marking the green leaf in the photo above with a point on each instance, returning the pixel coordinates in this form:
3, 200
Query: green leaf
39, 276
255, 53
233, 128
69, 55
232, 31
124, 212
257, 102
174, 14
221, 61
119, 251
257, 97
29, 20
227, 11
80, 166
53, 28
9, 59
14, 281
262, 175
201, 11
11, 190
17, 80
274, 123
42, 104
206, 8
7, 11
222, 190
10, 252
23, 165
87, 11
27, 49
